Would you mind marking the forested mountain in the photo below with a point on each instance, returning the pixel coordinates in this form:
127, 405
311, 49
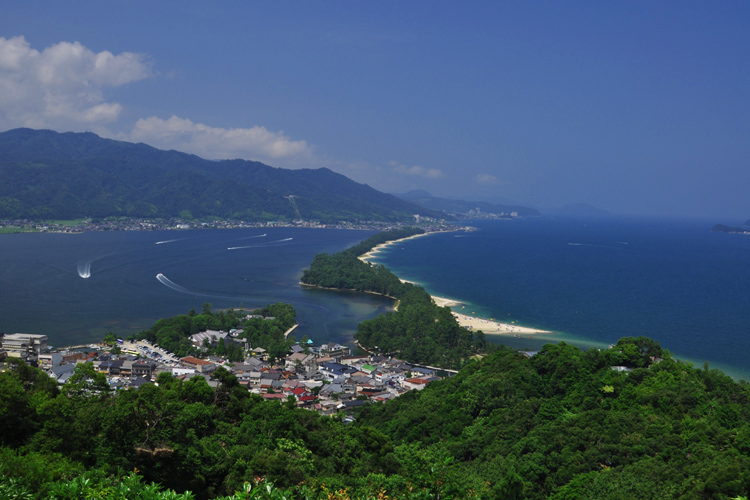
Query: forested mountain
461, 207
50, 175
562, 424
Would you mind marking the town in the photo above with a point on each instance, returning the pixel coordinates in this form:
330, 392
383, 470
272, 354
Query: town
138, 224
327, 378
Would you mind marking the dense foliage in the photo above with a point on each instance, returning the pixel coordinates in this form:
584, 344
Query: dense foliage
183, 435
565, 425
419, 331
47, 175
264, 329
560, 425
344, 270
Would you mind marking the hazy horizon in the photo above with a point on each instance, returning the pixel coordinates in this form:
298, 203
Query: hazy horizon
635, 108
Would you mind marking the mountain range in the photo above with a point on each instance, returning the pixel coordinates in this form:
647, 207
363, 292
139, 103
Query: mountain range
51, 175
461, 207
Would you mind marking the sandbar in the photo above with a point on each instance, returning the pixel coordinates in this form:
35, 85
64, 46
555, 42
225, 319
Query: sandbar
491, 326
473, 323
367, 256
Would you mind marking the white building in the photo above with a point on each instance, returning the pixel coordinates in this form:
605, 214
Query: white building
22, 345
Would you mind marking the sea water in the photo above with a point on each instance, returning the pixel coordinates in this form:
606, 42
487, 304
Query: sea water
592, 281
77, 287
596, 280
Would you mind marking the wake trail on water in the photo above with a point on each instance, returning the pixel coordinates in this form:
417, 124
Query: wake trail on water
249, 238
269, 244
252, 237
597, 246
168, 241
206, 293
241, 297
171, 284
84, 267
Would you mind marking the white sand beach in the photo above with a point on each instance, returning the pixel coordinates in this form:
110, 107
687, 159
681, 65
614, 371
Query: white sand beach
488, 326
366, 257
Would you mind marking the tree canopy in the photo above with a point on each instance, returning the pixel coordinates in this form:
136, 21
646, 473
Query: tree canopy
562, 424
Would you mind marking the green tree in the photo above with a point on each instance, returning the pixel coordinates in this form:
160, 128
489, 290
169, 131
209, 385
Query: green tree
110, 338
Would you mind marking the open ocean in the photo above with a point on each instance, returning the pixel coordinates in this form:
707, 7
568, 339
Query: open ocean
595, 280
591, 280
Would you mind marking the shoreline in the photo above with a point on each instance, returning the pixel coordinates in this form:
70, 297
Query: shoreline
394, 299
487, 326
367, 256
473, 323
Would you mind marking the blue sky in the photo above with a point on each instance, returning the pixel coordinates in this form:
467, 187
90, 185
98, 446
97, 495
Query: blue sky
635, 107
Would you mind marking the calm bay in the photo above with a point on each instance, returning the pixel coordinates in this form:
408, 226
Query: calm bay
592, 281
76, 287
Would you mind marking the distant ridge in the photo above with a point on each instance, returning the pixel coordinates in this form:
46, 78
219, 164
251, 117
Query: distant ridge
51, 175
461, 207
577, 209
721, 228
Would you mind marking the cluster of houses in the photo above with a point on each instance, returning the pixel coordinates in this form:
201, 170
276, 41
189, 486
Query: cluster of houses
325, 378
329, 379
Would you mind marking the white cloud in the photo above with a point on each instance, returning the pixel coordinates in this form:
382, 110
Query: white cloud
61, 86
218, 143
416, 170
485, 179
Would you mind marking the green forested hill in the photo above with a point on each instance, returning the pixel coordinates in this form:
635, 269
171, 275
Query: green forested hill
70, 175
565, 425
560, 425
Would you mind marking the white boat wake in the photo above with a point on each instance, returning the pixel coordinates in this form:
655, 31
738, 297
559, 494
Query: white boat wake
84, 268
171, 284
270, 243
167, 241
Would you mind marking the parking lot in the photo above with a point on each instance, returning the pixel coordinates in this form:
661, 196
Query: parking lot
147, 350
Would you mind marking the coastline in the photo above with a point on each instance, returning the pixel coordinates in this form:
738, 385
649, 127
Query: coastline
367, 256
473, 323
394, 299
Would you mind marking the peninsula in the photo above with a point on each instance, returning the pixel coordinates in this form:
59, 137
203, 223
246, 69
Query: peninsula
467, 320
